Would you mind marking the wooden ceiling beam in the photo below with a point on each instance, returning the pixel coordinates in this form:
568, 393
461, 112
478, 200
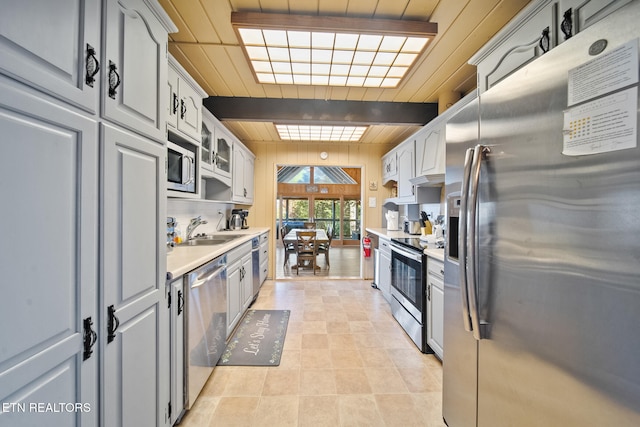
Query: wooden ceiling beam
316, 111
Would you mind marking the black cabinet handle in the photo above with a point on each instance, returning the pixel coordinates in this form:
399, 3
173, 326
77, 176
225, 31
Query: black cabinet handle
544, 40
114, 80
112, 324
183, 109
89, 338
567, 24
180, 302
92, 66
175, 103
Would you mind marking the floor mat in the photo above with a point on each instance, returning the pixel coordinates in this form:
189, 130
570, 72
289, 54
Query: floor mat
259, 339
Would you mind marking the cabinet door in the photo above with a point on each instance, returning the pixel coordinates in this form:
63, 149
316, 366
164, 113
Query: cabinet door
239, 159
47, 44
249, 164
406, 168
49, 257
247, 281
135, 74
189, 116
430, 152
389, 167
223, 153
234, 302
435, 329
525, 44
136, 349
206, 149
176, 292
173, 102
577, 15
385, 268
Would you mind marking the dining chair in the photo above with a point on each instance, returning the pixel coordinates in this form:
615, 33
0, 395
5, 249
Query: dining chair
289, 248
309, 225
306, 250
323, 247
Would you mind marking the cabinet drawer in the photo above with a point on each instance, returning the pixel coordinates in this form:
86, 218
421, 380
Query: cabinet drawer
435, 267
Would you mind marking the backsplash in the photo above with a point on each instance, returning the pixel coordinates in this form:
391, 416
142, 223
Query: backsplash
184, 209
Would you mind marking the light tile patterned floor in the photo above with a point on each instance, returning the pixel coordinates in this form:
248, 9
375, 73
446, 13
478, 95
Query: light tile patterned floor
346, 362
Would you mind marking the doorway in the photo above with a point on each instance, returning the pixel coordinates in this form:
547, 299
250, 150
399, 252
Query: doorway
329, 198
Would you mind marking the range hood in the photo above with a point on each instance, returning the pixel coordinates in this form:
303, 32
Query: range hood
428, 180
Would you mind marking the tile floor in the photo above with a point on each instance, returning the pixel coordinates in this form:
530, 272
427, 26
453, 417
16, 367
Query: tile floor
345, 264
346, 362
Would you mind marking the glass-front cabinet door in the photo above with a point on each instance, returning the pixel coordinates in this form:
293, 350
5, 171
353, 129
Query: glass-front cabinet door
206, 148
222, 155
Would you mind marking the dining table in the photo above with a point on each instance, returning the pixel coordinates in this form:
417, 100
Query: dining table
292, 237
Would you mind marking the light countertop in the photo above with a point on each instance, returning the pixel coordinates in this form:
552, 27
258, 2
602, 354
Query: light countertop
430, 250
183, 259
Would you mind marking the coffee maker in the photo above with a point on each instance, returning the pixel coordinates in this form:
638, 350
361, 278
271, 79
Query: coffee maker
238, 219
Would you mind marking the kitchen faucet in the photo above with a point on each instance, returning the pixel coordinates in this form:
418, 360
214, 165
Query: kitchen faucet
193, 224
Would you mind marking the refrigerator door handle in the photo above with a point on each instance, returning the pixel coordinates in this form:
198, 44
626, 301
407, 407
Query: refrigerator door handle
462, 240
472, 241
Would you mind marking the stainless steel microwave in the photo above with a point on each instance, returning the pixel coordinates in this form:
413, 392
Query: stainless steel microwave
181, 167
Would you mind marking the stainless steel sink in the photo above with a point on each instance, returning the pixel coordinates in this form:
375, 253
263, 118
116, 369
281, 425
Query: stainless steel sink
213, 239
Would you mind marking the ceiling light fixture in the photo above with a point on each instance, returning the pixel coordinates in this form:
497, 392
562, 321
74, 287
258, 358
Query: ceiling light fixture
334, 51
295, 132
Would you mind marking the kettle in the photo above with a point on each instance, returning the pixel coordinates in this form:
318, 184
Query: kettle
236, 221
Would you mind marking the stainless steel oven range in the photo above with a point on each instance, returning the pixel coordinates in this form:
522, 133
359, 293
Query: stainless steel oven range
408, 289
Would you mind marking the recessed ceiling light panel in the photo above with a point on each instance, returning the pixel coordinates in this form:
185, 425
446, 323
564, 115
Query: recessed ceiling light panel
320, 132
335, 51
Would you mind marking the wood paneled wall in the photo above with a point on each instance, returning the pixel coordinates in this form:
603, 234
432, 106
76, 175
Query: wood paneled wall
271, 154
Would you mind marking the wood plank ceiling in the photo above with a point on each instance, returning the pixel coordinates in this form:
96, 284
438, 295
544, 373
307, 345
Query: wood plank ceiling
207, 47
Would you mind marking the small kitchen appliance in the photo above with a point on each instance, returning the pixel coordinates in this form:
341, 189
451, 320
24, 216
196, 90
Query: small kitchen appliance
181, 167
238, 219
392, 220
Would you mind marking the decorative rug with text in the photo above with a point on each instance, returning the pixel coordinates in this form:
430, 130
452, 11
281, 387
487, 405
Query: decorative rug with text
258, 340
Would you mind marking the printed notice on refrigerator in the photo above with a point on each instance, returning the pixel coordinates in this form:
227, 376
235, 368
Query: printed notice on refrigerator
606, 124
606, 73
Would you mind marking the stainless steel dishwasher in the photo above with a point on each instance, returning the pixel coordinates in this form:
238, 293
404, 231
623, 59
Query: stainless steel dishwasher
206, 328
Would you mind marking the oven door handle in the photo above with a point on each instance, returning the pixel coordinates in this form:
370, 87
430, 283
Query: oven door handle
412, 255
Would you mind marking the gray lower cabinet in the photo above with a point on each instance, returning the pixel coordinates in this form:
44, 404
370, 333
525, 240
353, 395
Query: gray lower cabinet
435, 305
264, 257
384, 268
49, 260
239, 284
176, 304
134, 313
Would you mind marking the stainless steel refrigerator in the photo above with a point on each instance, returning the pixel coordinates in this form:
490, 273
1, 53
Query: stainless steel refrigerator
542, 265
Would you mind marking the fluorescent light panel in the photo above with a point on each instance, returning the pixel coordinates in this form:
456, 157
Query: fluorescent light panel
320, 132
294, 49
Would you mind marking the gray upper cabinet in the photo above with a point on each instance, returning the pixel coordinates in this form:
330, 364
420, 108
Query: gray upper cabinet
242, 185
216, 149
134, 75
539, 27
528, 36
56, 49
390, 167
185, 102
